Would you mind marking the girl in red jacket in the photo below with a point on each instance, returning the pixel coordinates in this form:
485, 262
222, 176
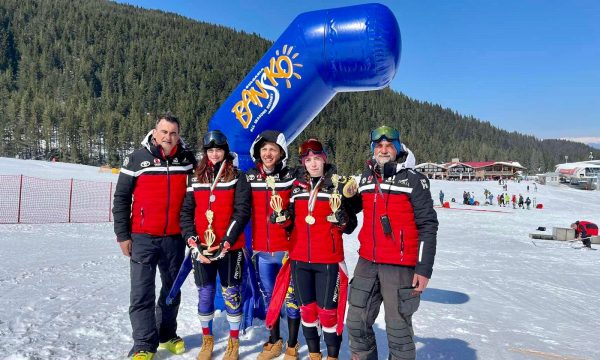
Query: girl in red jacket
215, 211
316, 250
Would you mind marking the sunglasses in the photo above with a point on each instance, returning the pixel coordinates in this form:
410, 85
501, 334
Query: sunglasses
311, 145
389, 133
214, 138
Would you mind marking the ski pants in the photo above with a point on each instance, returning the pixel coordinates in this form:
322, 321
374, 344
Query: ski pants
317, 291
230, 269
267, 267
371, 285
153, 322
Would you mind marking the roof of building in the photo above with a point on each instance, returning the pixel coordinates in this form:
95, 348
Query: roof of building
474, 164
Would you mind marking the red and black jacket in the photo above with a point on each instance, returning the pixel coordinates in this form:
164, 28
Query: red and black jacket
150, 191
231, 210
404, 196
265, 235
586, 229
320, 242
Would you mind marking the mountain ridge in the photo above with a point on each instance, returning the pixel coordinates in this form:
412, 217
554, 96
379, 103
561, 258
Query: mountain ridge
89, 84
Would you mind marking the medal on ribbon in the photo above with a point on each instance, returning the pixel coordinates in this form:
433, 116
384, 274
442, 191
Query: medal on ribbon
312, 198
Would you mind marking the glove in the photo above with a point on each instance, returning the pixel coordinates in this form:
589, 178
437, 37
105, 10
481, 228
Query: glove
197, 247
193, 243
342, 218
273, 217
224, 247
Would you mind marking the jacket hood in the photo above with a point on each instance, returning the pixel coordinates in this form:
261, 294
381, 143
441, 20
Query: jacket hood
269, 136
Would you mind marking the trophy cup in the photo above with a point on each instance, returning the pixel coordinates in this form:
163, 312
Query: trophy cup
350, 188
209, 234
276, 200
336, 199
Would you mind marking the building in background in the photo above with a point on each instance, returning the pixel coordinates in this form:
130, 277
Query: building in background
471, 170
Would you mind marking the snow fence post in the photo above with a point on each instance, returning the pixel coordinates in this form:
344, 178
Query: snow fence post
20, 195
70, 198
109, 198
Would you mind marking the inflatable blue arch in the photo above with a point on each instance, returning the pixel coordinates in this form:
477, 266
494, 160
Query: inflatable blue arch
321, 53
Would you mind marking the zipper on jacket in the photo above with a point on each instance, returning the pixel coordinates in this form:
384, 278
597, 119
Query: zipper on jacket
332, 240
268, 218
373, 227
401, 245
308, 240
168, 198
142, 214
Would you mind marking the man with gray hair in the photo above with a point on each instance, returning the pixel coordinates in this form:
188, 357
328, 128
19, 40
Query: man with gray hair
397, 247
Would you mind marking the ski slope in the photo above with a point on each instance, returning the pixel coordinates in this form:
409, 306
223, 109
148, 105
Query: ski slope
494, 294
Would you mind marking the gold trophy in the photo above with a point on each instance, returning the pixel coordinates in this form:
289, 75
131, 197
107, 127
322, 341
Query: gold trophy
209, 234
350, 188
335, 201
276, 200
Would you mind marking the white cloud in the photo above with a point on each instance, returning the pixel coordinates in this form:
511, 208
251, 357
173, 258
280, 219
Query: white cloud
585, 140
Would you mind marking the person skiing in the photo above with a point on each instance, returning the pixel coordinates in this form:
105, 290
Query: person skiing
270, 241
215, 211
441, 198
528, 203
584, 230
397, 248
147, 200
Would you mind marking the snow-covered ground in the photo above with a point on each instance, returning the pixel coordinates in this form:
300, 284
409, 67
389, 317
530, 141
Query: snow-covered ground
494, 294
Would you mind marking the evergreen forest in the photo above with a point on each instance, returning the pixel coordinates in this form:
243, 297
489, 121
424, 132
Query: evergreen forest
84, 80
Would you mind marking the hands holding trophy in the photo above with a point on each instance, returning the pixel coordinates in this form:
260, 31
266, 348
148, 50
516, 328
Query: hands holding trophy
209, 234
276, 201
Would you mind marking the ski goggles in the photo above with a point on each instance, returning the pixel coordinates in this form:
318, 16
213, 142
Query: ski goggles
387, 132
214, 138
310, 145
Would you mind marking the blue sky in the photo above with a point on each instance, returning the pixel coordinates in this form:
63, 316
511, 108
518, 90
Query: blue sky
531, 66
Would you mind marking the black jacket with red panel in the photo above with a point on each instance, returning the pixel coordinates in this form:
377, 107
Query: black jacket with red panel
320, 242
586, 229
404, 196
150, 191
265, 235
231, 209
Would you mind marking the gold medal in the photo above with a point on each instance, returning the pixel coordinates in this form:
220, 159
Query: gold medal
309, 219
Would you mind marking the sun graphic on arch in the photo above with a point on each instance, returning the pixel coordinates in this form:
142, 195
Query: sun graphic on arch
286, 53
